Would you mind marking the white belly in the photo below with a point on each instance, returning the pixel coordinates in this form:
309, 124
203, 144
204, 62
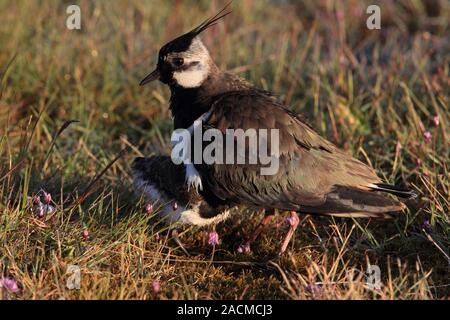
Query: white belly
165, 207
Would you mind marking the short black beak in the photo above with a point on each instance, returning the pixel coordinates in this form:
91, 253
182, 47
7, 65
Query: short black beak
151, 77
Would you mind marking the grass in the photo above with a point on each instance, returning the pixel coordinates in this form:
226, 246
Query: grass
373, 92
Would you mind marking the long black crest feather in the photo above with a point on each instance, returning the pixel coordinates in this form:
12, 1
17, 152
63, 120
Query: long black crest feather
212, 21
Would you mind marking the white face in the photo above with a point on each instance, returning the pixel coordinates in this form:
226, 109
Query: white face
196, 74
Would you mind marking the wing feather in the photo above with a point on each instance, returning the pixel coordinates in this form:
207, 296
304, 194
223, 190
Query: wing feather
309, 165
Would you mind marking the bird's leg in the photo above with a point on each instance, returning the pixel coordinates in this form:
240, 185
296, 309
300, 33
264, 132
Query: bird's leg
293, 221
268, 215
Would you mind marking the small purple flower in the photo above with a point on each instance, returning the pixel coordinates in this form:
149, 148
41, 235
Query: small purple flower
340, 14
436, 121
244, 248
40, 209
156, 286
418, 162
213, 238
86, 234
427, 136
149, 208
157, 237
9, 284
292, 220
36, 199
427, 226
47, 197
314, 289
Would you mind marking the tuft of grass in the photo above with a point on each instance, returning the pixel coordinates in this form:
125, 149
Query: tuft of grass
373, 92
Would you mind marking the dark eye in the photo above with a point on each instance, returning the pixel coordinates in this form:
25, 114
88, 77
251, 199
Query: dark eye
178, 62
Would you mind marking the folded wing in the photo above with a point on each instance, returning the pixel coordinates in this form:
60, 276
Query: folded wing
314, 176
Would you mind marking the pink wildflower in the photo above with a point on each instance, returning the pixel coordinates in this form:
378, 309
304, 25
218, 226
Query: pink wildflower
9, 284
213, 238
427, 136
86, 234
156, 286
149, 208
436, 121
47, 197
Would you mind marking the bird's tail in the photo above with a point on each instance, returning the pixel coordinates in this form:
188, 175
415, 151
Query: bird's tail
345, 201
389, 188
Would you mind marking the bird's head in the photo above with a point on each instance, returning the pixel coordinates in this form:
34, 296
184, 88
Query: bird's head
185, 61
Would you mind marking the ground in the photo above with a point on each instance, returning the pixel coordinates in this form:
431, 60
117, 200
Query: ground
381, 95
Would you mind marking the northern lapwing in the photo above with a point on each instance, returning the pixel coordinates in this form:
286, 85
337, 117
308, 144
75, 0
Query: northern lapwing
314, 177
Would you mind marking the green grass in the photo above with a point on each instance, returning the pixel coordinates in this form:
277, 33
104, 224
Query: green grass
373, 93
